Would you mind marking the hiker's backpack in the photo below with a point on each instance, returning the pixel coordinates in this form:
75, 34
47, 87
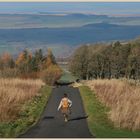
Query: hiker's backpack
65, 103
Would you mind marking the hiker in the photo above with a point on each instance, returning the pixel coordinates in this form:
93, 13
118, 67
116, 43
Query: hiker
65, 105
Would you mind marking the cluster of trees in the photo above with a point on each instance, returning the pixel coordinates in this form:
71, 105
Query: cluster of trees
116, 60
28, 65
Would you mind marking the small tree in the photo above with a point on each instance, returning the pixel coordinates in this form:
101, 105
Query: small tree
49, 59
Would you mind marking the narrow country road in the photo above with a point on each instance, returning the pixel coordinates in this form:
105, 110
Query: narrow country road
52, 125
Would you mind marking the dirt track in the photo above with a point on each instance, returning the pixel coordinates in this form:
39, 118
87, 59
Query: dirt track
52, 125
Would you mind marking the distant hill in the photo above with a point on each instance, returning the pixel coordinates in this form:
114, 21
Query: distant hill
66, 39
101, 25
59, 20
73, 35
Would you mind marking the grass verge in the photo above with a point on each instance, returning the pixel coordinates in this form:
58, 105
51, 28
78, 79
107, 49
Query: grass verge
99, 124
67, 77
30, 114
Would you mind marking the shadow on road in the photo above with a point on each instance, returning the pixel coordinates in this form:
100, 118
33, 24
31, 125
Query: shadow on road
63, 83
48, 117
73, 119
78, 118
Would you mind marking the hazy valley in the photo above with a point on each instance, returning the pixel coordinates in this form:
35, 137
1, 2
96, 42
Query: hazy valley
63, 33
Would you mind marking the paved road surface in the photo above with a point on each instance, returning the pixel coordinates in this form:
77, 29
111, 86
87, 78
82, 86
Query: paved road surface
52, 125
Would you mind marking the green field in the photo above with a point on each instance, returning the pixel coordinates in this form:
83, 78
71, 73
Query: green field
67, 77
98, 122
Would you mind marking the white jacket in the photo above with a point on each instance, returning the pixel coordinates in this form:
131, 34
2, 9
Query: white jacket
61, 103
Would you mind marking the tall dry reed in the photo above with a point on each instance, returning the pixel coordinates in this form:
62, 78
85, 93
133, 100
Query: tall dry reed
13, 93
123, 98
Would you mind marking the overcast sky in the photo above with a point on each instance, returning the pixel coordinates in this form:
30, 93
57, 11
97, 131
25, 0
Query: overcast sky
108, 8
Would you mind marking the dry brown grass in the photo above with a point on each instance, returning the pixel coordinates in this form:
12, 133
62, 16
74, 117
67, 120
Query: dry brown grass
15, 92
123, 97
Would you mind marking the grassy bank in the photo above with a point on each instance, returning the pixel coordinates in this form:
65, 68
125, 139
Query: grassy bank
98, 122
122, 97
28, 116
67, 77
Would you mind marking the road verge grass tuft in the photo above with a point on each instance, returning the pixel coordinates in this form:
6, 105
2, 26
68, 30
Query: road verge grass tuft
30, 114
99, 124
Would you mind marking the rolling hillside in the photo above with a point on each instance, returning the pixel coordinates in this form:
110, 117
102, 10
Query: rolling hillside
64, 40
59, 20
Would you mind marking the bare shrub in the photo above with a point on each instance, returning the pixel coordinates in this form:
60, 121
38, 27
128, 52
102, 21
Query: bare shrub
51, 74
